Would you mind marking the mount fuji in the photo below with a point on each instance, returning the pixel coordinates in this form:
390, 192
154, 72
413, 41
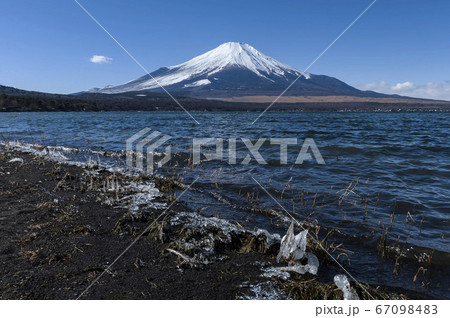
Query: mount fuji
233, 76
235, 70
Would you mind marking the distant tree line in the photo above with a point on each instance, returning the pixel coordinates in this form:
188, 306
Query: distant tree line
34, 101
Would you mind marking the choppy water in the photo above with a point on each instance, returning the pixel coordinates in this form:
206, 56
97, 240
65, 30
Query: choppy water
400, 162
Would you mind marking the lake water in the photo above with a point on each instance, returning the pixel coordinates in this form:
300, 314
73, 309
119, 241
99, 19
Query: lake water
399, 162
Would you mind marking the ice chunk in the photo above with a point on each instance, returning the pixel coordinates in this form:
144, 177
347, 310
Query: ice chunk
271, 238
266, 290
313, 263
301, 269
298, 250
16, 160
312, 267
343, 284
286, 243
276, 272
293, 246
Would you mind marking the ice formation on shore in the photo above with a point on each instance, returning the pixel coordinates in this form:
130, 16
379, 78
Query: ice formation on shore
265, 291
202, 236
343, 284
16, 160
138, 195
293, 246
293, 250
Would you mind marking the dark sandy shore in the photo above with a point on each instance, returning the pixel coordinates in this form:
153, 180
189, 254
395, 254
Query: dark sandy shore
61, 226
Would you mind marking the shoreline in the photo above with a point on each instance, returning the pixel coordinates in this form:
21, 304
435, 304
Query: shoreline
64, 225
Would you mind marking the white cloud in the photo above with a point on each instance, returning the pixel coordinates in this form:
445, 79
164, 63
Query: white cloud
100, 59
431, 90
403, 86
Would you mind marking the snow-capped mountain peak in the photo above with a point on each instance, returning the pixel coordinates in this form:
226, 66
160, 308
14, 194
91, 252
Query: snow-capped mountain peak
205, 69
236, 54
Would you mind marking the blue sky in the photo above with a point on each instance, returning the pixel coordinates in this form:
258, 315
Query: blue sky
398, 45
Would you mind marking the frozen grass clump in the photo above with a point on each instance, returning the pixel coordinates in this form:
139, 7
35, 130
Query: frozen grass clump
205, 239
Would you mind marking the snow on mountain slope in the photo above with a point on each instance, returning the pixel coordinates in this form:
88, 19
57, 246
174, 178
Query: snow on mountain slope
196, 71
198, 83
233, 54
